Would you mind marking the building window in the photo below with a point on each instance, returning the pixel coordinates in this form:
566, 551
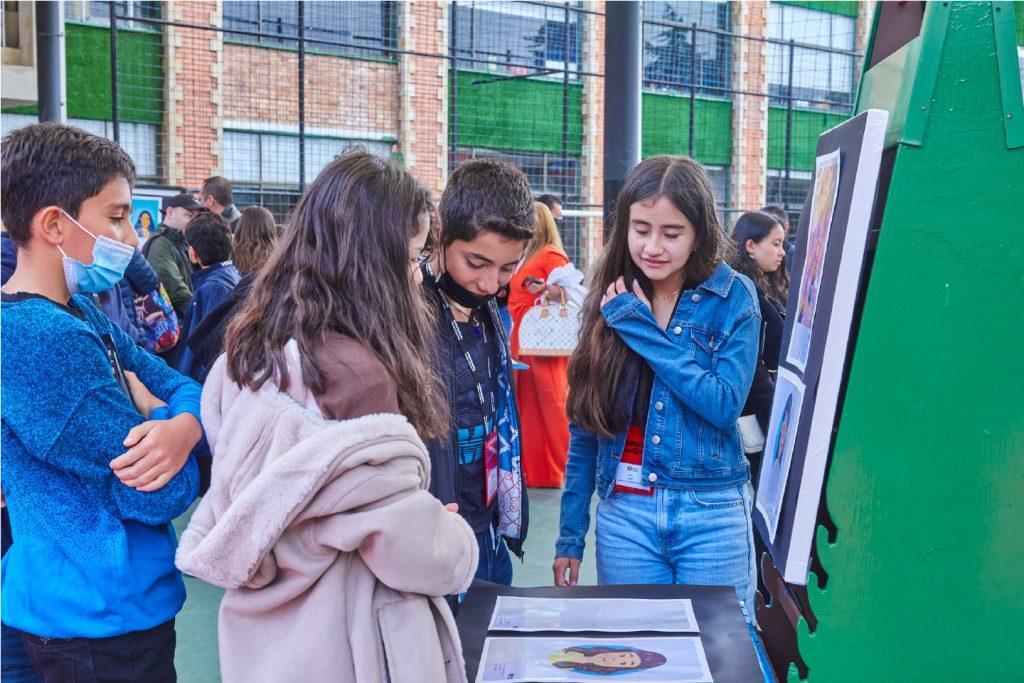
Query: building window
789, 194
516, 38
127, 12
343, 28
264, 166
822, 78
12, 25
140, 140
675, 57
719, 177
547, 173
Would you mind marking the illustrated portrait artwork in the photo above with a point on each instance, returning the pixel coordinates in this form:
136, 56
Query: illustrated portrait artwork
606, 660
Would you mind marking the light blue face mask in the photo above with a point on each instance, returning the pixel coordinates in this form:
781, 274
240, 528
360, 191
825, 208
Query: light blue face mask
110, 258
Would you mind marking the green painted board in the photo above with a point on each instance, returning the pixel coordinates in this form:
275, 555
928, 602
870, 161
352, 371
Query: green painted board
807, 126
927, 478
140, 81
666, 127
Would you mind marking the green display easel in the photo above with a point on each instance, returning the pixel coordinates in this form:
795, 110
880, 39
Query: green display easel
926, 482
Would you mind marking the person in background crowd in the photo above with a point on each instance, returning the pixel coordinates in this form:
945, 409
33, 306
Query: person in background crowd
209, 248
487, 219
554, 204
758, 253
97, 433
167, 252
319, 523
667, 352
542, 390
779, 214
216, 196
776, 282
8, 255
256, 235
139, 279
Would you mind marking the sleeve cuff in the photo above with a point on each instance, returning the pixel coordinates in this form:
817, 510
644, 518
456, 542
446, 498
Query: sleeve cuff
619, 307
571, 548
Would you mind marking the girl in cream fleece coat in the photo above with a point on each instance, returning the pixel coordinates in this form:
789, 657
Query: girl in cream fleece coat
318, 521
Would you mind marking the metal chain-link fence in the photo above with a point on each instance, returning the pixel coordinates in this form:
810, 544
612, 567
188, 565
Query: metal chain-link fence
266, 93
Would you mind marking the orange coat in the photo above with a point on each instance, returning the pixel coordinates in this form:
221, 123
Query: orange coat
541, 391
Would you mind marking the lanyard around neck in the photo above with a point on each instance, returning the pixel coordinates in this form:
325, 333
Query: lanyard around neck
472, 365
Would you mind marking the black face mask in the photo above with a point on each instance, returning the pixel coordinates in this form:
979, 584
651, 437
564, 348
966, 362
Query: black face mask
459, 294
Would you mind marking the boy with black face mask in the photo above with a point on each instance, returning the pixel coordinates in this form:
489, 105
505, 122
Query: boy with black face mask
487, 218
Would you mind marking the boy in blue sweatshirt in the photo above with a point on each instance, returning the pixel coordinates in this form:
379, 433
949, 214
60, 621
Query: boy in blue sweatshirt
209, 248
91, 482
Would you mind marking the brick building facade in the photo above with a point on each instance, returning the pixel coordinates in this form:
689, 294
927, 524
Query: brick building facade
209, 87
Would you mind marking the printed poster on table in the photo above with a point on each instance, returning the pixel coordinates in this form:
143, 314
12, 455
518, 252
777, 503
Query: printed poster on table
778, 453
823, 202
615, 615
553, 660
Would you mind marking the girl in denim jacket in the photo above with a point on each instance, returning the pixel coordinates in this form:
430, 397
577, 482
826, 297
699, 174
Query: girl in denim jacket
668, 346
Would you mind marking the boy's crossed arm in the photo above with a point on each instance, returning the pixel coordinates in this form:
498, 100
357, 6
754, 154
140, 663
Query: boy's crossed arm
75, 417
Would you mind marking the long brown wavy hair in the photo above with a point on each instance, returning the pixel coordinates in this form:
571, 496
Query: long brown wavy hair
255, 237
342, 264
602, 363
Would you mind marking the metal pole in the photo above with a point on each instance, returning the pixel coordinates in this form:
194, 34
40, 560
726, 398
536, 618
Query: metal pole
50, 61
789, 126
622, 111
115, 88
453, 90
571, 245
302, 95
693, 83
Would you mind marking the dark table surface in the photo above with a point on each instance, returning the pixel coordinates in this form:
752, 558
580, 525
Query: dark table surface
723, 631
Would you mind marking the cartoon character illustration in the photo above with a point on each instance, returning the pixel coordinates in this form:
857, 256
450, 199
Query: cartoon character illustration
783, 433
606, 660
144, 224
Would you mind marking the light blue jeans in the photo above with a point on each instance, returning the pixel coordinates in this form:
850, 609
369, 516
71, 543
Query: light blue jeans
700, 538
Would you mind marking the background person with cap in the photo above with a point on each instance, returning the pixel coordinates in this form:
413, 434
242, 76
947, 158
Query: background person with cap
167, 252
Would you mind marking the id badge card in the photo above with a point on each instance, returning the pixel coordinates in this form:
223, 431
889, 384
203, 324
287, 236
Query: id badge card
491, 464
629, 473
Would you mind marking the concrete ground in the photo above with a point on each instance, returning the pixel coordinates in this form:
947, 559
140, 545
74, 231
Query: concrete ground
196, 657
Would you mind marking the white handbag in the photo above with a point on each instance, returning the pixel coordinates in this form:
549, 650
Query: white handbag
550, 330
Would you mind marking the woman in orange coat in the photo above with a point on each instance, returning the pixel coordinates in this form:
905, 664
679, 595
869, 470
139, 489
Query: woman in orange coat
541, 391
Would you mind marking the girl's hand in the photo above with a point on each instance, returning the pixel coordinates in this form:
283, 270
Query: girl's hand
565, 565
555, 293
535, 287
639, 291
614, 289
157, 451
452, 507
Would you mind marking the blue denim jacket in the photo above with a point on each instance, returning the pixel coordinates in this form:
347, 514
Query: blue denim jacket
703, 365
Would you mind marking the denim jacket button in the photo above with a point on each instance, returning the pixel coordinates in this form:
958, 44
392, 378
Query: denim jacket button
659, 405
677, 330
695, 298
655, 439
652, 477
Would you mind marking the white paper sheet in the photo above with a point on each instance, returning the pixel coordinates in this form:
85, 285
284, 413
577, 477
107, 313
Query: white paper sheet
554, 660
617, 615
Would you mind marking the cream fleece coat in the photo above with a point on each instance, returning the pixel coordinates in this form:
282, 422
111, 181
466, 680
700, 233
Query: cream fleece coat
332, 551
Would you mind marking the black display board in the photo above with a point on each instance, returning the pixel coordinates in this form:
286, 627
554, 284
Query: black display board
723, 631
